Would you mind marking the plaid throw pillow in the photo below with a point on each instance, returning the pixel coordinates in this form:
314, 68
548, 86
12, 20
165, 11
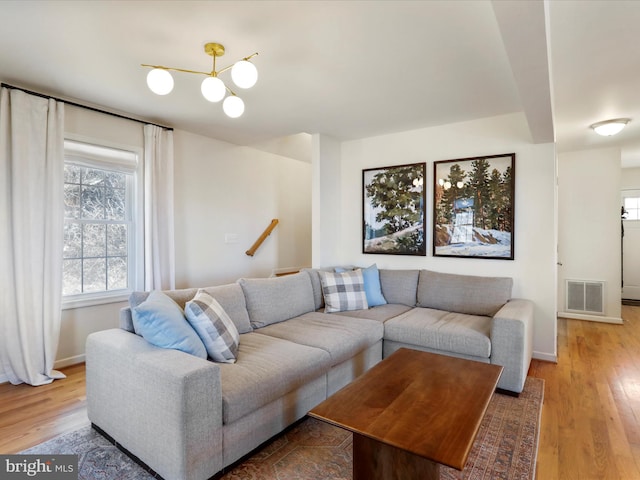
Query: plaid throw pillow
214, 327
343, 291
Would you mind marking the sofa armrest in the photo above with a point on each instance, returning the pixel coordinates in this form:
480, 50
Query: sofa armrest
512, 342
126, 319
163, 406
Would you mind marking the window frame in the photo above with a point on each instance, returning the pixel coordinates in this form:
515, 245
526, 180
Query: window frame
635, 194
94, 153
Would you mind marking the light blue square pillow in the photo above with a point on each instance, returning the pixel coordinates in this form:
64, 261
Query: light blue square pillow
372, 288
161, 322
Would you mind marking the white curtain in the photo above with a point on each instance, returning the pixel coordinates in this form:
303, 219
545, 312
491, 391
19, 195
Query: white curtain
31, 235
159, 254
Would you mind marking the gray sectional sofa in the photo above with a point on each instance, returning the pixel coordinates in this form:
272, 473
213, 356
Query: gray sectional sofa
189, 418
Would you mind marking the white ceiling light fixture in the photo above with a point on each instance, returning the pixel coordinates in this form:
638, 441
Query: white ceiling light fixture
243, 73
610, 127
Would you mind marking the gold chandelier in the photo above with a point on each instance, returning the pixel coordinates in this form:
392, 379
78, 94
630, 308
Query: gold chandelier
243, 73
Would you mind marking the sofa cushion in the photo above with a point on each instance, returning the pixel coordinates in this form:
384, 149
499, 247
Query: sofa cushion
399, 286
343, 291
160, 321
439, 330
463, 293
214, 327
267, 368
314, 276
342, 337
230, 297
273, 300
381, 313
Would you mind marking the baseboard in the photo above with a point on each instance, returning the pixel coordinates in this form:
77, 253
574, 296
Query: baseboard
66, 362
591, 318
63, 362
546, 357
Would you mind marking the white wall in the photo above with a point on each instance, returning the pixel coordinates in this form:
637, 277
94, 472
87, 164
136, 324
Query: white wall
630, 179
589, 225
224, 189
326, 200
219, 188
534, 267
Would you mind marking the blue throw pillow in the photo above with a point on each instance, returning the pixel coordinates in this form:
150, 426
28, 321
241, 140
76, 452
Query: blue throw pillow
372, 287
161, 322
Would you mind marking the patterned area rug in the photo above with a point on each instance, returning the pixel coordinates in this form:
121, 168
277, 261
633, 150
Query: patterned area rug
505, 448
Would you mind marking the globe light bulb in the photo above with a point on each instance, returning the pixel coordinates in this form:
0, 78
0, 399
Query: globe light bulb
233, 106
160, 81
213, 89
244, 74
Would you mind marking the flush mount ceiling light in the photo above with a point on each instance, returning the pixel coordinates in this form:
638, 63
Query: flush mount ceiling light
610, 127
243, 73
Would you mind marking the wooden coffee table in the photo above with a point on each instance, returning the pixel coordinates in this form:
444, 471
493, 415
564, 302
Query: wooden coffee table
411, 413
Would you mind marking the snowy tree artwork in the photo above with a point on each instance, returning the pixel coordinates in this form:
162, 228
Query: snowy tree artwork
393, 210
473, 210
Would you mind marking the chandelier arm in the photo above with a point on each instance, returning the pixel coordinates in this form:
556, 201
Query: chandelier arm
178, 69
231, 66
225, 69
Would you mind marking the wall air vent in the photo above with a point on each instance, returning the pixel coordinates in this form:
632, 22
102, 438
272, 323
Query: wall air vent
585, 296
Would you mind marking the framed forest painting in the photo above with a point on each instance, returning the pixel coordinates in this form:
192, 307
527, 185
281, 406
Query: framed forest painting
473, 207
393, 204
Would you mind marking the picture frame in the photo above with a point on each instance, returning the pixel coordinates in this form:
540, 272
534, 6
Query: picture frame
473, 207
393, 210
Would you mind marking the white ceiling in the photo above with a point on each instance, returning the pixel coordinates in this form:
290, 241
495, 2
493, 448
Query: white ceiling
348, 69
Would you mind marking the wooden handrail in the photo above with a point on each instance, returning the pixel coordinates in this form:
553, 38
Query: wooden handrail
262, 237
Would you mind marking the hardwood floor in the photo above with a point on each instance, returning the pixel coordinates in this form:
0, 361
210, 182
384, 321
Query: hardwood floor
590, 420
30, 415
591, 416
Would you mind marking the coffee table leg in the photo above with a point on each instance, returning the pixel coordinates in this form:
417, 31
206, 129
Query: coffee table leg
373, 460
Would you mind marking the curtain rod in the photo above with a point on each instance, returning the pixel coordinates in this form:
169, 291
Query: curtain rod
87, 107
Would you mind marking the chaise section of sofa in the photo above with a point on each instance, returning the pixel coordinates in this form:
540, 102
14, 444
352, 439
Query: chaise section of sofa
466, 316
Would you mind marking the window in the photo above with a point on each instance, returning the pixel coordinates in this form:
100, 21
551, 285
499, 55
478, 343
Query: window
100, 254
631, 203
